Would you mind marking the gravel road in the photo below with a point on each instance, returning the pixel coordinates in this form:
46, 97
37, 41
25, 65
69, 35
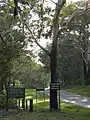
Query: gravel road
73, 98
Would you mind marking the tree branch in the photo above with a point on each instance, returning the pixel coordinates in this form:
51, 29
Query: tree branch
84, 58
55, 21
78, 12
35, 40
57, 3
2, 39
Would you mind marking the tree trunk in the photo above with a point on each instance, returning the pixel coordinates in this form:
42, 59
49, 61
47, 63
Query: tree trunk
89, 71
53, 58
86, 79
1, 88
53, 65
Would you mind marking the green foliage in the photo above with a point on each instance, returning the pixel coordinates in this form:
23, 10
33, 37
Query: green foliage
2, 99
45, 59
73, 46
17, 64
12, 103
68, 10
32, 75
12, 43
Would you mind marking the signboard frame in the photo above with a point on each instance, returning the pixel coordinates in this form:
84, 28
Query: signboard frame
15, 93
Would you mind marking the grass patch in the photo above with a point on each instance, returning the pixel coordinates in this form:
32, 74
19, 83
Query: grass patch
43, 105
31, 93
80, 113
41, 111
82, 90
68, 112
40, 103
39, 116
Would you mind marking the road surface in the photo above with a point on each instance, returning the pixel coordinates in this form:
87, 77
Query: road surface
73, 98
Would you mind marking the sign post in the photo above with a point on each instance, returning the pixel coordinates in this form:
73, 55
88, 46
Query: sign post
56, 86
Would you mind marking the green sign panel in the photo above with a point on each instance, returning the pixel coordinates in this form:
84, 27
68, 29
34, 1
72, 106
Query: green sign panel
16, 92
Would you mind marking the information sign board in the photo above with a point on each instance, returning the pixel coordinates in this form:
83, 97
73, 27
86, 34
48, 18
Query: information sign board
16, 92
55, 86
39, 89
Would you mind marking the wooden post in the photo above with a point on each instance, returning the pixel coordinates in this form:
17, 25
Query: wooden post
59, 97
23, 104
7, 103
44, 95
36, 96
26, 104
19, 102
31, 105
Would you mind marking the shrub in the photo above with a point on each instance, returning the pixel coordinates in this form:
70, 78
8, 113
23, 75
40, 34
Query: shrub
12, 103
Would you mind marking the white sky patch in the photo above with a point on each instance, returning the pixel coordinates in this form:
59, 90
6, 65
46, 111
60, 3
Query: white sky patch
51, 4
